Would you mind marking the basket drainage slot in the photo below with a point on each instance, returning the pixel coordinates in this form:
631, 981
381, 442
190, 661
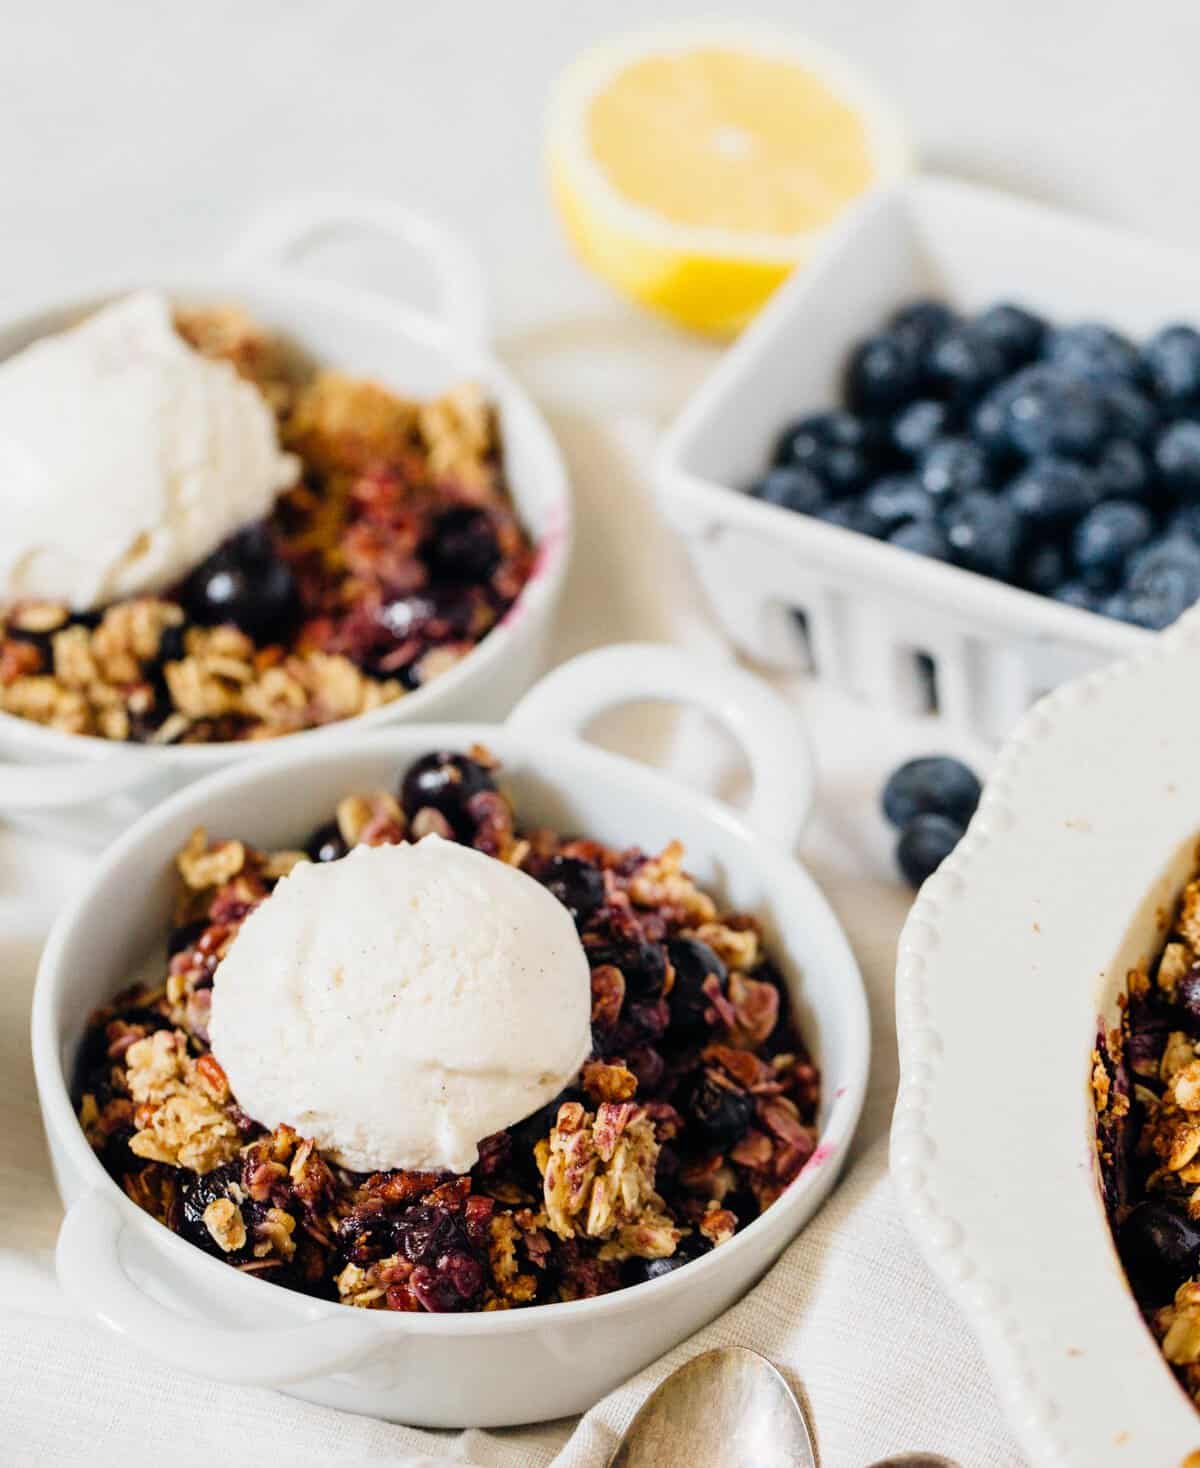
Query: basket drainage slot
804, 639
926, 681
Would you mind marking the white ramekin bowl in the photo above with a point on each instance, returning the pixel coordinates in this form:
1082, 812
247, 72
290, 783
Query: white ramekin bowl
87, 789
126, 1270
876, 616
1015, 950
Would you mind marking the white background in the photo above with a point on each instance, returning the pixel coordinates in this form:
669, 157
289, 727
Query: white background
136, 134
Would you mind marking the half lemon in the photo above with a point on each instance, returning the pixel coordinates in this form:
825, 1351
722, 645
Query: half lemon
694, 169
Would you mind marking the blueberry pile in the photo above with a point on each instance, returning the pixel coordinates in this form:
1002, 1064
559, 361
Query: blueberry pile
1062, 459
929, 801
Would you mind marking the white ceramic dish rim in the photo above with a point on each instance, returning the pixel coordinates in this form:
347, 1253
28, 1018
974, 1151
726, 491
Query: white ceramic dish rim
554, 714
261, 260
1020, 1331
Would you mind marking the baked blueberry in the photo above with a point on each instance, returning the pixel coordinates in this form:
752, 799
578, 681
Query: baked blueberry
245, 583
1172, 362
638, 1271
883, 374
791, 487
933, 784
1160, 1248
1016, 333
694, 962
327, 843
719, 1113
1106, 537
961, 365
1053, 492
463, 545
1177, 458
924, 845
445, 782
578, 885
919, 425
953, 466
985, 534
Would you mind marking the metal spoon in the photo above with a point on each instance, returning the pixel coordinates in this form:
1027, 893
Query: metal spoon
729, 1409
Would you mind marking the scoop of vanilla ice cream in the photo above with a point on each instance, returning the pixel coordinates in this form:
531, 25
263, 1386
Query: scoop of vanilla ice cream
126, 458
401, 1004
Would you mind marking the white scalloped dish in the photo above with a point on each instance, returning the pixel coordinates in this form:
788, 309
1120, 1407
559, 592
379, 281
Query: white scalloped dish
1085, 835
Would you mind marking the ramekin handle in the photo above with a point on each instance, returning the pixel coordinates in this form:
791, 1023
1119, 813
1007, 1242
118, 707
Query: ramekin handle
89, 1268
284, 232
770, 734
72, 782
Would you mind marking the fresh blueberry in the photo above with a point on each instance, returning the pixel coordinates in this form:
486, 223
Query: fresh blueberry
961, 366
1171, 552
985, 534
1044, 567
327, 843
694, 962
1172, 361
990, 426
923, 322
923, 538
1093, 351
1107, 536
1015, 332
884, 373
953, 466
1076, 594
445, 782
933, 784
1160, 1248
1133, 415
791, 488
1163, 603
839, 448
894, 501
919, 425
1053, 492
1122, 471
244, 582
1046, 411
1177, 456
578, 885
848, 514
924, 845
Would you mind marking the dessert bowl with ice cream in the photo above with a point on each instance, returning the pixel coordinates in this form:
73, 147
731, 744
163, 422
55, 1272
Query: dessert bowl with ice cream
453, 1075
255, 505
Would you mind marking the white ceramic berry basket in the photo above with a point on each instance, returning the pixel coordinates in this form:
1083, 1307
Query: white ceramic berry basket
122, 1268
1015, 949
87, 789
875, 613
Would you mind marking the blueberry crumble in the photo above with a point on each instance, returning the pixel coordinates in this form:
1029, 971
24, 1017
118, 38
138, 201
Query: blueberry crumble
391, 552
1061, 459
694, 1111
1146, 1085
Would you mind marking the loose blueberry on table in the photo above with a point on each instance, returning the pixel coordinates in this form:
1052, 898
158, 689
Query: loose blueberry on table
699, 1091
1043, 455
929, 801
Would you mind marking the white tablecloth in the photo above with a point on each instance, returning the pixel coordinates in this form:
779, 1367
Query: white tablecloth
139, 136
